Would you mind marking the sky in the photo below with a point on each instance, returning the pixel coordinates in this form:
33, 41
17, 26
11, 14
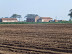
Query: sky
56, 9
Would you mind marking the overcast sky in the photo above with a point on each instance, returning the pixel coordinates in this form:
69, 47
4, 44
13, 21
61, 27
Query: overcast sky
57, 9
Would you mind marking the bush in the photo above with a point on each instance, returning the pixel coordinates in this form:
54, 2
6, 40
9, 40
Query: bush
36, 22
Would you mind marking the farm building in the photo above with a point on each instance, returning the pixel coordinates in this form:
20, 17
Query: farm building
36, 18
44, 19
39, 19
8, 20
59, 20
33, 19
55, 20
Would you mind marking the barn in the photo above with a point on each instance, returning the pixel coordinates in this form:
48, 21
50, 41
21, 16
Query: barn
8, 20
44, 19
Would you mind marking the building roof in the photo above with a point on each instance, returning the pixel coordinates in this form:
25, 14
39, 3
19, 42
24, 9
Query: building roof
45, 18
9, 19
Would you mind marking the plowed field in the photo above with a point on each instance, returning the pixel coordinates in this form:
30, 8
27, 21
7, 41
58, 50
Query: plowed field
36, 39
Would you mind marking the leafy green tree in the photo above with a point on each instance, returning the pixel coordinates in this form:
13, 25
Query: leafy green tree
70, 14
16, 16
31, 15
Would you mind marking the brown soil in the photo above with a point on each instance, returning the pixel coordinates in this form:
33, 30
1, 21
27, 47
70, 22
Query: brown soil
36, 39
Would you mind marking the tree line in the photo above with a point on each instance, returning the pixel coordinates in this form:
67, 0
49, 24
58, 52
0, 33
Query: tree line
34, 15
27, 16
